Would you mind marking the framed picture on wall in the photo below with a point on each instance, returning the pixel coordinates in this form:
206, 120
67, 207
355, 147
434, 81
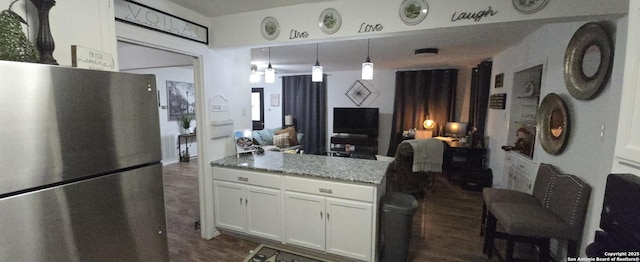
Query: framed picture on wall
499, 80
275, 100
180, 100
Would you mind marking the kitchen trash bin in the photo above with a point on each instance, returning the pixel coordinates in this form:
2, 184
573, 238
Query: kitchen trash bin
397, 210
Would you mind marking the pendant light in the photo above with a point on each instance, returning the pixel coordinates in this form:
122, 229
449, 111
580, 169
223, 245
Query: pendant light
269, 73
316, 70
367, 66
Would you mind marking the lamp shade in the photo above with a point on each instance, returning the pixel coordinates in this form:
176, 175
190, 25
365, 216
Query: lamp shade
367, 71
429, 124
288, 120
316, 73
269, 75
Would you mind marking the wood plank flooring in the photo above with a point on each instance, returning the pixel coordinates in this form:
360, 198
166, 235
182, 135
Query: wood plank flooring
445, 226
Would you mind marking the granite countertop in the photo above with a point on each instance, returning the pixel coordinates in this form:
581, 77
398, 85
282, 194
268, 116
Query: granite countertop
314, 166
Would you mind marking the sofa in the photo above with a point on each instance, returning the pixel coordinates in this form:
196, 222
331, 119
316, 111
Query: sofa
278, 139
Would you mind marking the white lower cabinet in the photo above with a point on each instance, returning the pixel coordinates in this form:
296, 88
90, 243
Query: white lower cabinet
337, 226
248, 209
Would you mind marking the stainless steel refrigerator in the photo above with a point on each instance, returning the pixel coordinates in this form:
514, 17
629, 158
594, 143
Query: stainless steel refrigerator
80, 171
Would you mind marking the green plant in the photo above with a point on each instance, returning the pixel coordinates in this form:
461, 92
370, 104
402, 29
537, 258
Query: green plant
185, 121
14, 45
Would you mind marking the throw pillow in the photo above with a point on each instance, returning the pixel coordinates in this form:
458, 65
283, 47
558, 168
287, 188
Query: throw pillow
293, 140
281, 140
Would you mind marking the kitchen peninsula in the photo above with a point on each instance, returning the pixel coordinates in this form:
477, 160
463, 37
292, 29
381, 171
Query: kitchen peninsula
329, 204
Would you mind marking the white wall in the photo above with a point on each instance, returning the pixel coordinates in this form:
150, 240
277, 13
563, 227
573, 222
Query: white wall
382, 87
169, 130
272, 114
587, 155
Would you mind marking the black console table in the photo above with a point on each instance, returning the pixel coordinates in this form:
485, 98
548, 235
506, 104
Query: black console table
467, 164
184, 157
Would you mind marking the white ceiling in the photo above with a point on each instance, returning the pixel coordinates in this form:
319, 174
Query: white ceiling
458, 47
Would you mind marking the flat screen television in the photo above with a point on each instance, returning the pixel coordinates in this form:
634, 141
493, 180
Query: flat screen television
455, 129
355, 120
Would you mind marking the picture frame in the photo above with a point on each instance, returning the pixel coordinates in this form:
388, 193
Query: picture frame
358, 93
134, 13
180, 100
275, 100
499, 81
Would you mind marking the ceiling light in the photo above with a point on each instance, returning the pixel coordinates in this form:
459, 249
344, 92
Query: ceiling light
367, 66
269, 73
426, 51
316, 70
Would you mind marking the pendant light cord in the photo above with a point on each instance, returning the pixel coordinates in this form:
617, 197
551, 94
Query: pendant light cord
317, 60
269, 56
368, 59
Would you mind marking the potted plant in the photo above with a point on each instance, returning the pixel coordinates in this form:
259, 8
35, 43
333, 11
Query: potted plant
185, 123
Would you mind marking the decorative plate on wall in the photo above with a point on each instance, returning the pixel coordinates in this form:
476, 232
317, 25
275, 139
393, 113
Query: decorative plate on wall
529, 6
587, 61
270, 28
358, 93
552, 122
412, 12
330, 21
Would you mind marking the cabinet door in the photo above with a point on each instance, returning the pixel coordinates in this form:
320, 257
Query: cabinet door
229, 201
305, 220
349, 231
264, 212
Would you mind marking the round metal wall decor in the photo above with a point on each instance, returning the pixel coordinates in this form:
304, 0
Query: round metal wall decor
529, 6
587, 61
270, 28
552, 122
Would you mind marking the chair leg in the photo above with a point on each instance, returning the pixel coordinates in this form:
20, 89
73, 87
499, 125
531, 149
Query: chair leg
543, 244
508, 257
483, 222
489, 235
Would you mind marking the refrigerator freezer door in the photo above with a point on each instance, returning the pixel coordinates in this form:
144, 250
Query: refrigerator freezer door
61, 124
118, 217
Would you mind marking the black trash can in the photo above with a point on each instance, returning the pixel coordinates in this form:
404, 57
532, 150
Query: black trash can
397, 211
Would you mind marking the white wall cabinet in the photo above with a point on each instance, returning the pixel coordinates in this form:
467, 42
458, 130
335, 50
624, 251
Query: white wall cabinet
627, 151
337, 226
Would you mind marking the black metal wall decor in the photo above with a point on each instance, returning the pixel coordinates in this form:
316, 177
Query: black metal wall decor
45, 40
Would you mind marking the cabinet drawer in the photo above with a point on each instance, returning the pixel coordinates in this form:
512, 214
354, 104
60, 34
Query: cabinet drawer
247, 177
329, 188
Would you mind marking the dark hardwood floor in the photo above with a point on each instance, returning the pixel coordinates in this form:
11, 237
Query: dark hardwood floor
445, 226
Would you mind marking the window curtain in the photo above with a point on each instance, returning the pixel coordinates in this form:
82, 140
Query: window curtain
306, 101
480, 85
422, 94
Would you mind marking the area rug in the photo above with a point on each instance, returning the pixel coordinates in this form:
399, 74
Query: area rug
265, 253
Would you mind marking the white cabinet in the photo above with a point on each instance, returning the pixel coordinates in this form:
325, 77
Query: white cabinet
349, 228
338, 226
305, 220
248, 209
627, 151
520, 172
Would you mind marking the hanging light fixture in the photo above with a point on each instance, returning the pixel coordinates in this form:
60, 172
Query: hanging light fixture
269, 73
367, 66
316, 70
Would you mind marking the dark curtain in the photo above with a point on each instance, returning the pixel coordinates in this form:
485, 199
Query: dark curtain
480, 85
420, 94
306, 101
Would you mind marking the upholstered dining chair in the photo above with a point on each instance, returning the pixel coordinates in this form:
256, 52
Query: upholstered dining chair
543, 181
560, 216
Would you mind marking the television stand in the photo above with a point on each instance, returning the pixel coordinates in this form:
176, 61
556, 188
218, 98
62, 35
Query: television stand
345, 144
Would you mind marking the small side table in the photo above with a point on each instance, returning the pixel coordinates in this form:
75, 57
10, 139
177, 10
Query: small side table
184, 157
